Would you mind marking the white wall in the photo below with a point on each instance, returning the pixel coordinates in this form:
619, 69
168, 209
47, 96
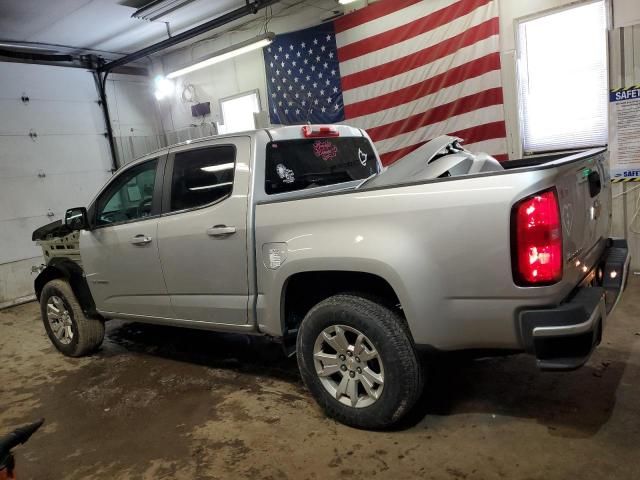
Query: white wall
241, 74
246, 72
624, 12
64, 165
624, 70
135, 117
42, 176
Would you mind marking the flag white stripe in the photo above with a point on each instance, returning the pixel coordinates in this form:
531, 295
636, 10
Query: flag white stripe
415, 44
419, 75
475, 118
441, 97
391, 21
495, 146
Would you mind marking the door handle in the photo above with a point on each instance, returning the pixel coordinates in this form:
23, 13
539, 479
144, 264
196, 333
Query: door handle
221, 231
141, 240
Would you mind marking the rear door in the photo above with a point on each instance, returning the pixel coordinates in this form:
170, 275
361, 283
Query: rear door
203, 231
120, 252
584, 194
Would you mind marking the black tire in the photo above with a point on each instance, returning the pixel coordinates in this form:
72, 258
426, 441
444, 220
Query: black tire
88, 333
403, 379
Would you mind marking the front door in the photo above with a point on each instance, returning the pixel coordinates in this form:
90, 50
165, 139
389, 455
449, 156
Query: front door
120, 252
202, 232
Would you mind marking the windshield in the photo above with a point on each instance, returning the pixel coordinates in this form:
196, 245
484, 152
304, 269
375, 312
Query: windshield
314, 162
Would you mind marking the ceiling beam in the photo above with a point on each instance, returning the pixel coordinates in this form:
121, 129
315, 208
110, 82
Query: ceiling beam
251, 7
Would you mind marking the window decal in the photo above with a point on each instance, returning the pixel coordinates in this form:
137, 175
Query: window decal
285, 174
362, 157
325, 150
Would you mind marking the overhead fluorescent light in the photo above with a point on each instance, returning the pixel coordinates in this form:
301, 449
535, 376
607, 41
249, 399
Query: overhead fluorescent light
346, 2
218, 168
158, 9
209, 187
227, 53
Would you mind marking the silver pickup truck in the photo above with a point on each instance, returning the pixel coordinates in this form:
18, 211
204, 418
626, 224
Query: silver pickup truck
299, 234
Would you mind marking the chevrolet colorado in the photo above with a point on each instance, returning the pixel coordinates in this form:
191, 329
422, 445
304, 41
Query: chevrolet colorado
298, 233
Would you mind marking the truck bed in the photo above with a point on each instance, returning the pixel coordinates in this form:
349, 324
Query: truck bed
443, 244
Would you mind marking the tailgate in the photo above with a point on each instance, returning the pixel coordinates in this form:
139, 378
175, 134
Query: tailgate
584, 194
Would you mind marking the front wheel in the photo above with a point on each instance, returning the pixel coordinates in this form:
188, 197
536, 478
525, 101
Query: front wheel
358, 360
68, 328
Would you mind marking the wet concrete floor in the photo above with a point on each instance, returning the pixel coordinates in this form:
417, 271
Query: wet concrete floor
167, 403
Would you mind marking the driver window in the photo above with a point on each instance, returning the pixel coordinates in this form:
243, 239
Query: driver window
130, 197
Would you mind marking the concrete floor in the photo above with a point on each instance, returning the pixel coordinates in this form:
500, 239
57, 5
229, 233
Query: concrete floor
166, 403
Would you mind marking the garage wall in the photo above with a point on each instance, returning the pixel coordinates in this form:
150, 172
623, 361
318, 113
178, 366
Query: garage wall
624, 71
246, 72
512, 10
135, 117
53, 155
241, 74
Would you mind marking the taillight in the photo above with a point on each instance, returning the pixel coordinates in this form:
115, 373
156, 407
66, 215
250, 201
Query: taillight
537, 239
311, 131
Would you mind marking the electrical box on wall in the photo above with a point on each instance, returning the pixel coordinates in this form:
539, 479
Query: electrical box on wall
201, 109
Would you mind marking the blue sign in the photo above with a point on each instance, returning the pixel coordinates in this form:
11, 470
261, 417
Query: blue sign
628, 93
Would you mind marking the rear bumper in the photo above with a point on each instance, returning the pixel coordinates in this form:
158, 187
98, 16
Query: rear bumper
563, 337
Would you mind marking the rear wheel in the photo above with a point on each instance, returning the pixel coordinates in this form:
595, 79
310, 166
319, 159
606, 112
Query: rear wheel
358, 360
72, 333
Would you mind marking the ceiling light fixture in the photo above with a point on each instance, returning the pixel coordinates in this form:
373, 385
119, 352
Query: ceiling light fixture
158, 9
164, 87
227, 53
346, 2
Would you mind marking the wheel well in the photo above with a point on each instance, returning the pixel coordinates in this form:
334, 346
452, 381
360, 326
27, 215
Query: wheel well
72, 273
304, 290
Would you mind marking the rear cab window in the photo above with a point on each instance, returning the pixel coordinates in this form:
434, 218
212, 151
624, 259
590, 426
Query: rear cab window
202, 177
306, 163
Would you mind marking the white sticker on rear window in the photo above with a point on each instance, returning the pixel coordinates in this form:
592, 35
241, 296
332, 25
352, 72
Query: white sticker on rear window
285, 174
362, 157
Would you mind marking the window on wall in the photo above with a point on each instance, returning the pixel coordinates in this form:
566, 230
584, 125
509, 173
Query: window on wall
237, 112
562, 74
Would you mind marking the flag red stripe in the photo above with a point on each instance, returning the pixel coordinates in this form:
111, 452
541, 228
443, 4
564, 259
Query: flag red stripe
390, 157
422, 57
372, 12
479, 133
487, 98
410, 30
488, 131
451, 77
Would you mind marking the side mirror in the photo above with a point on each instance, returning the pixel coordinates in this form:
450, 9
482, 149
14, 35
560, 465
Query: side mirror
76, 219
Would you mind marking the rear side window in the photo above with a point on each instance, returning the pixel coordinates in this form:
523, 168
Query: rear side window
202, 176
314, 162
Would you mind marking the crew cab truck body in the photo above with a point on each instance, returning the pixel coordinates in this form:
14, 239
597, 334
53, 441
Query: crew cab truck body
297, 233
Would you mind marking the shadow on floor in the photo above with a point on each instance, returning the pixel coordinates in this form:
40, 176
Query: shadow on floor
570, 404
243, 353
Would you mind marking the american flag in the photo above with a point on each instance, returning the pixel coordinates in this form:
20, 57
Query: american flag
404, 70
303, 77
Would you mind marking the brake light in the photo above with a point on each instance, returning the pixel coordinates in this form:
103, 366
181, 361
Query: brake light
537, 240
311, 131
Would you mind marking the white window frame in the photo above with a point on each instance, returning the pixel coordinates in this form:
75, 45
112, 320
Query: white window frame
223, 128
518, 83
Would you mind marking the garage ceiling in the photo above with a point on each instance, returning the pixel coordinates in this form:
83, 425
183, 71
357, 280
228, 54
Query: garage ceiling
104, 25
